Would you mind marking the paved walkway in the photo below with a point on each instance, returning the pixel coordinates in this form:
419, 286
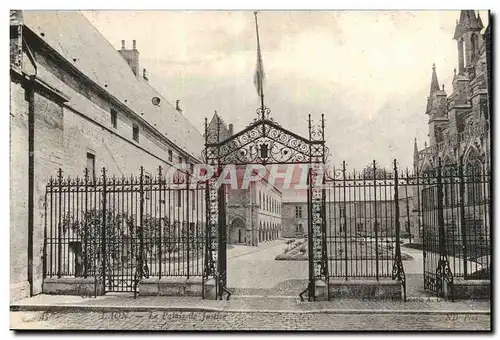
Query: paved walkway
126, 302
238, 321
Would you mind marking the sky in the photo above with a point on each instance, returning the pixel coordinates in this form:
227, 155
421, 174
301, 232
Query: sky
368, 72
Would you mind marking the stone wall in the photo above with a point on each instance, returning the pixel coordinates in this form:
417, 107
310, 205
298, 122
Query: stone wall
19, 286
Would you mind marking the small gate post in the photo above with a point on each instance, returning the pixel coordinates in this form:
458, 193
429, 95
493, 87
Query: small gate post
376, 225
398, 272
160, 221
86, 240
444, 274
187, 221
312, 283
140, 229
222, 243
462, 213
59, 229
103, 229
44, 263
344, 220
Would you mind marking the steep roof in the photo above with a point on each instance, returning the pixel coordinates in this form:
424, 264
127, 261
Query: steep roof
71, 35
468, 21
217, 123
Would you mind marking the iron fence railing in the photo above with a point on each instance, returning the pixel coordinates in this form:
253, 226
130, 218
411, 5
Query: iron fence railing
362, 231
124, 229
447, 209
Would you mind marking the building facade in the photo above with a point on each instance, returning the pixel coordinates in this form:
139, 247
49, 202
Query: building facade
459, 134
78, 103
459, 123
362, 218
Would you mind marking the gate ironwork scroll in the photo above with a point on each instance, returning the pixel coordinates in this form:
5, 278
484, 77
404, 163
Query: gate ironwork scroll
264, 142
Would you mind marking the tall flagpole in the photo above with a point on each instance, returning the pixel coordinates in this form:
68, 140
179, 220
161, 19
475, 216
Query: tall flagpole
259, 61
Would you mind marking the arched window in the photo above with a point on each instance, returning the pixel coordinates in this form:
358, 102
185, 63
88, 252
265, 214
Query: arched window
450, 182
473, 179
461, 54
438, 133
474, 47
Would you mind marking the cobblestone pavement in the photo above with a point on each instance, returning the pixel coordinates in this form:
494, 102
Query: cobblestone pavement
260, 321
238, 303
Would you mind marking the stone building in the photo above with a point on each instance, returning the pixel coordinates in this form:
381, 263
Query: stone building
76, 103
459, 123
253, 214
356, 217
459, 128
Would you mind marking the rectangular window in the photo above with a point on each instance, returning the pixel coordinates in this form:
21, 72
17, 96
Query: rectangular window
193, 199
135, 131
170, 156
91, 165
180, 160
342, 211
298, 212
114, 119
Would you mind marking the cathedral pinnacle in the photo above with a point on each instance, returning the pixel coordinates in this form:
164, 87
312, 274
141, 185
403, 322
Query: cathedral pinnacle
434, 80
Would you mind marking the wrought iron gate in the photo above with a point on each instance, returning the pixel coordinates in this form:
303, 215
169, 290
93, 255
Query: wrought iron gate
263, 142
456, 226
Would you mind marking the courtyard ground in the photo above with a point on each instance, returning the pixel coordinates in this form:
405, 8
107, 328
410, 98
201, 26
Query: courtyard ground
254, 271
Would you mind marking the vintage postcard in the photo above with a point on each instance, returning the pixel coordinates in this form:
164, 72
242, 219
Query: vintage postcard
250, 170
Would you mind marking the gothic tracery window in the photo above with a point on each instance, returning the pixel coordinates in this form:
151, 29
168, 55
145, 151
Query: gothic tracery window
473, 181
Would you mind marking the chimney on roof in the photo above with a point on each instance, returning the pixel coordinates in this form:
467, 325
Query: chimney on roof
132, 57
144, 76
177, 107
230, 129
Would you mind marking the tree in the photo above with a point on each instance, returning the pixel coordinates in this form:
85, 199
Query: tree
380, 172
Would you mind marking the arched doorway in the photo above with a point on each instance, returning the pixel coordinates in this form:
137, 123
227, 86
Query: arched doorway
237, 231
